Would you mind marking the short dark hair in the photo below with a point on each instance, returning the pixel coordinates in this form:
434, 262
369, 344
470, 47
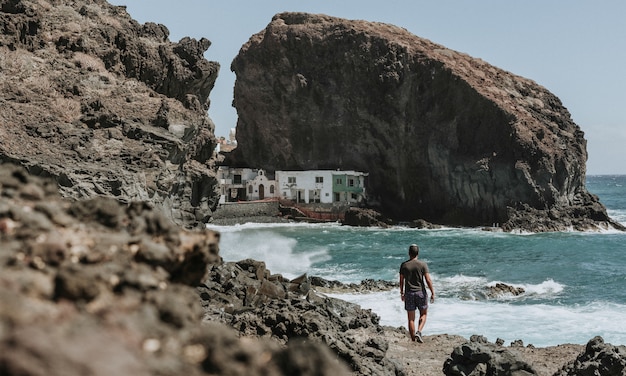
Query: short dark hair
414, 250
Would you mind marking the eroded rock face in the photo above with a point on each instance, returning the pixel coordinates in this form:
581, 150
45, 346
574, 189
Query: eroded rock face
445, 137
107, 106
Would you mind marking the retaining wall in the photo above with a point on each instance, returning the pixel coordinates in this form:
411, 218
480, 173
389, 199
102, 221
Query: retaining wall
247, 209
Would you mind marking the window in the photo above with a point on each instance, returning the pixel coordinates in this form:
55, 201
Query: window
271, 189
350, 182
339, 181
319, 179
291, 180
237, 179
249, 189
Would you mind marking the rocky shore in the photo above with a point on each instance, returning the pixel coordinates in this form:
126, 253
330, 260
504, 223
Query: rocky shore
98, 287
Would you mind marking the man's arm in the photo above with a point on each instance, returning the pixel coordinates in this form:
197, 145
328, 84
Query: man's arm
402, 286
429, 282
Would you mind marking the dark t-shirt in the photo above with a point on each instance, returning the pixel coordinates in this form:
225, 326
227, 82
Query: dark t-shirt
413, 272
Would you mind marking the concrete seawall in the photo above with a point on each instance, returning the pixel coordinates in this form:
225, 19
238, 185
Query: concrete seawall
271, 211
241, 212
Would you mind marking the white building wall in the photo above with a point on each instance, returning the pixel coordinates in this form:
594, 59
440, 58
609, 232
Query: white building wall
261, 187
308, 187
227, 174
300, 186
249, 178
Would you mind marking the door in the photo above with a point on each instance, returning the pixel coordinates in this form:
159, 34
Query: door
261, 192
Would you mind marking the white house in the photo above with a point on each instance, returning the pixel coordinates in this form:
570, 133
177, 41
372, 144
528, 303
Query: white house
244, 184
261, 187
322, 186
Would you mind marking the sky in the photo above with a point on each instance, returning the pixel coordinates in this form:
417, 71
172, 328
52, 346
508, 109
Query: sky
576, 49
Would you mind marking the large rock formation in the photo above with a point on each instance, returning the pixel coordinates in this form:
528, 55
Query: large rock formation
107, 106
444, 136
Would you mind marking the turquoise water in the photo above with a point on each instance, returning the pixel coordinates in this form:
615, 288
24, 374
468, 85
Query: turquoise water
575, 282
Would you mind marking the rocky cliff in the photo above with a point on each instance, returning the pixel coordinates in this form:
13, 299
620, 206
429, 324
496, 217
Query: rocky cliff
107, 106
445, 137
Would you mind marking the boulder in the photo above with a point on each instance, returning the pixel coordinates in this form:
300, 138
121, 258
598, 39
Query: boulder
420, 223
444, 137
481, 358
320, 284
500, 289
364, 217
599, 358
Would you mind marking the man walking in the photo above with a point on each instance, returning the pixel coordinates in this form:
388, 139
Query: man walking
414, 277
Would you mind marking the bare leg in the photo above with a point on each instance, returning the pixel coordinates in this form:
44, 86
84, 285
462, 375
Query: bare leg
411, 316
422, 320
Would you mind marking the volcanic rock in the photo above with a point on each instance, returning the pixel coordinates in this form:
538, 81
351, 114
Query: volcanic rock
599, 358
479, 357
500, 289
444, 137
365, 286
107, 106
246, 296
364, 217
94, 287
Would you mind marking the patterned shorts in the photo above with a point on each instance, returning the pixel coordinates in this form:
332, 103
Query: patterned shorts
415, 300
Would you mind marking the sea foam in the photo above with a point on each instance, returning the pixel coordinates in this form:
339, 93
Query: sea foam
538, 324
277, 251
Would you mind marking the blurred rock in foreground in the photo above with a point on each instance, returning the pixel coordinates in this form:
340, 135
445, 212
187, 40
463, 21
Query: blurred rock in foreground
98, 288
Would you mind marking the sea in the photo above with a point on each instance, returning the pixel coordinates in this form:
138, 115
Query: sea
574, 282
